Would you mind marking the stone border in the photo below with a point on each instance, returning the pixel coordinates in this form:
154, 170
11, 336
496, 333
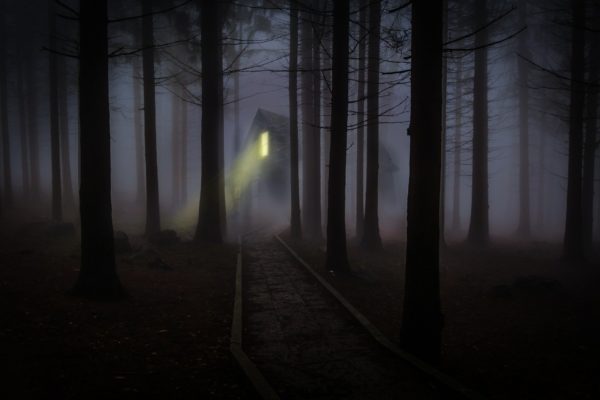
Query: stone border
422, 366
263, 388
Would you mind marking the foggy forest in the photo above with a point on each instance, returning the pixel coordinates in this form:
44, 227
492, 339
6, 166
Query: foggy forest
300, 199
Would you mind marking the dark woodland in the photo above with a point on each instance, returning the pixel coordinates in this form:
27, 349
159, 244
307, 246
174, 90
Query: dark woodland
300, 199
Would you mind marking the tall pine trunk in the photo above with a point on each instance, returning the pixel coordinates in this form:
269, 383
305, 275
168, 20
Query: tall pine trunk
479, 226
97, 275
360, 120
138, 132
184, 143
589, 151
524, 228
371, 239
311, 199
175, 149
422, 318
337, 257
210, 207
7, 191
456, 225
33, 133
152, 199
65, 149
26, 98
295, 224
54, 121
573, 248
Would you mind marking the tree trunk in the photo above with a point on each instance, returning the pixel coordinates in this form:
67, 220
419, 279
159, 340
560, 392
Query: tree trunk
98, 275
360, 120
210, 207
589, 151
33, 134
542, 173
7, 193
456, 225
152, 199
184, 143
311, 199
479, 226
371, 239
65, 149
221, 101
337, 258
295, 224
444, 131
422, 318
138, 131
54, 121
524, 228
26, 95
175, 149
573, 248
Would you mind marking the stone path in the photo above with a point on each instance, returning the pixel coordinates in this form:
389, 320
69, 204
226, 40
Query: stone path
307, 345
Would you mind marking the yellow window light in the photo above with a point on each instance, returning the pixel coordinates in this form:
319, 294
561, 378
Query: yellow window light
264, 144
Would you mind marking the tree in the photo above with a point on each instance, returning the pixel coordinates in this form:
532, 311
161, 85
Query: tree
210, 207
360, 116
573, 249
337, 257
7, 198
479, 226
65, 149
591, 138
422, 318
138, 132
97, 275
311, 198
295, 224
457, 148
524, 228
152, 198
54, 120
371, 239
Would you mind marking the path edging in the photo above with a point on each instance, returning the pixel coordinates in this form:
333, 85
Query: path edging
262, 387
416, 362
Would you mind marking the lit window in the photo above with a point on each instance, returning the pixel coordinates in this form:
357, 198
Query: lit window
264, 144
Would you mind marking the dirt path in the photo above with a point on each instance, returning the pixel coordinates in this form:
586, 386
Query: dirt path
307, 345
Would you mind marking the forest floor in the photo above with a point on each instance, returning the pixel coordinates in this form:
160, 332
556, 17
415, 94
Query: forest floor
169, 338
518, 324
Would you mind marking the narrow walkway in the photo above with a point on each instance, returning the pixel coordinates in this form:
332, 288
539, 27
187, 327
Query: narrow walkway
307, 345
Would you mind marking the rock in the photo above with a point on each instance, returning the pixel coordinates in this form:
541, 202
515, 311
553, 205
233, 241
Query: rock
122, 244
164, 238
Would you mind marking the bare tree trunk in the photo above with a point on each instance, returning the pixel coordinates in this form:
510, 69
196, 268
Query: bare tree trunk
138, 131
456, 225
337, 257
152, 191
589, 151
573, 248
65, 149
479, 226
371, 239
7, 193
175, 148
33, 133
184, 143
26, 95
311, 199
541, 173
360, 120
524, 228
444, 131
210, 208
54, 121
422, 316
98, 275
295, 224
